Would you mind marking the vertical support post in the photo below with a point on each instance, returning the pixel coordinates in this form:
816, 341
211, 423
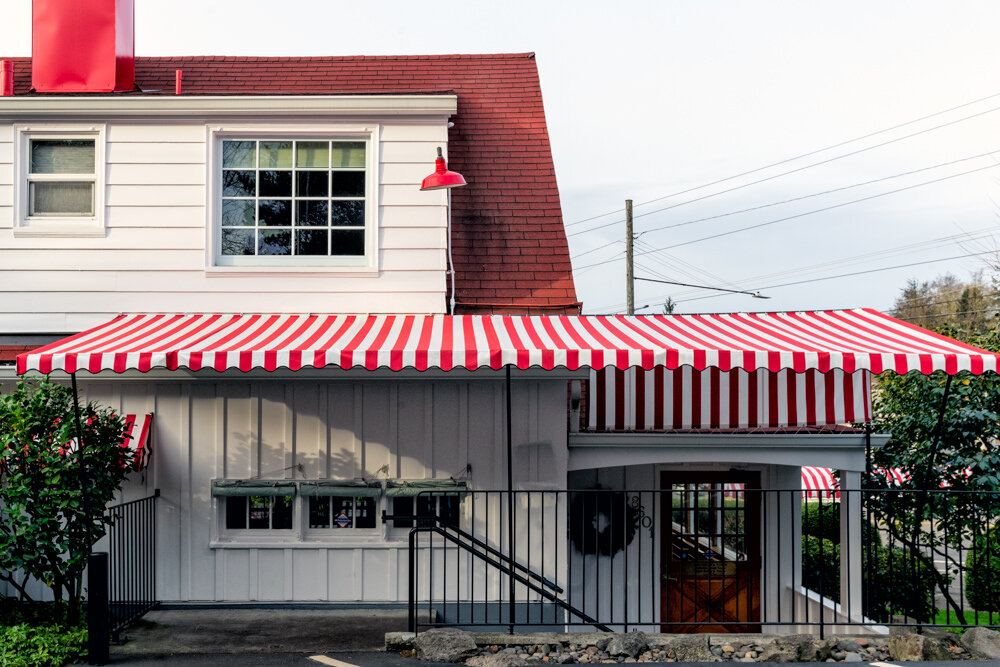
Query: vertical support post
84, 501
510, 509
411, 608
97, 609
850, 543
629, 271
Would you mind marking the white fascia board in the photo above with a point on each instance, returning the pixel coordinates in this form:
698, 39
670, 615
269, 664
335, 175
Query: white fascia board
845, 451
771, 440
289, 106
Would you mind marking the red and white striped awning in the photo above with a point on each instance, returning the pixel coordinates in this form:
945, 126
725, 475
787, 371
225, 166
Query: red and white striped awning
848, 340
137, 429
662, 399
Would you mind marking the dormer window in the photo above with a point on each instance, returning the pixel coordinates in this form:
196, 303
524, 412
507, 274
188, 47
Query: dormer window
60, 182
294, 202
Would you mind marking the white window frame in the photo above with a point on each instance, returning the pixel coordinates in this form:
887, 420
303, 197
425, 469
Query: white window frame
67, 226
218, 265
300, 535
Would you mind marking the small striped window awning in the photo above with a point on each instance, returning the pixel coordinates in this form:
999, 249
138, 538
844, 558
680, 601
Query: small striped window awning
847, 340
137, 438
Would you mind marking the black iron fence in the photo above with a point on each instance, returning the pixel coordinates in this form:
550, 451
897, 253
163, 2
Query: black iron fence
706, 556
131, 543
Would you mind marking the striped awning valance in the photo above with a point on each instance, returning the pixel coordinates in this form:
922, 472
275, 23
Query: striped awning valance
848, 340
663, 399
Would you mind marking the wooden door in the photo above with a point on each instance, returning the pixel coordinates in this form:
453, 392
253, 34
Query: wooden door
710, 552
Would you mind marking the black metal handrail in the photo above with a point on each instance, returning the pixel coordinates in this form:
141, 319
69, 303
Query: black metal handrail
132, 562
606, 570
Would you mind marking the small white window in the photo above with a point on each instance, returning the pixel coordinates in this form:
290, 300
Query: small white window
59, 184
61, 178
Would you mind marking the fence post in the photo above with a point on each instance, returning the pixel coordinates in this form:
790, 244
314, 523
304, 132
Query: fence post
97, 609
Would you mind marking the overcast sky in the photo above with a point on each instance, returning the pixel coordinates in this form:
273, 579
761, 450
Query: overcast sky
653, 98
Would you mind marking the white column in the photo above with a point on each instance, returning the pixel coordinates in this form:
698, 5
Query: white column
850, 544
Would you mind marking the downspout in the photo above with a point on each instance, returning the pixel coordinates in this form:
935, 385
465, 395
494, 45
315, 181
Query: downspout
510, 509
451, 272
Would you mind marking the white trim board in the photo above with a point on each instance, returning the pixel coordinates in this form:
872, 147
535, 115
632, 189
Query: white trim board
603, 450
271, 106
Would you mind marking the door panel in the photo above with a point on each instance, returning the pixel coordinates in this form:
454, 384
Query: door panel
710, 552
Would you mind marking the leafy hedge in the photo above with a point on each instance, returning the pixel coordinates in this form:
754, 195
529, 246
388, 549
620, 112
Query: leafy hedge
821, 566
24, 645
982, 582
897, 587
822, 519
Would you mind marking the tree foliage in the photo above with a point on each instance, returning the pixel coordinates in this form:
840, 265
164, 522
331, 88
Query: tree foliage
944, 434
947, 301
52, 492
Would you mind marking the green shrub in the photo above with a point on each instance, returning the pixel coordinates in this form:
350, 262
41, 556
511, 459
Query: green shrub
822, 519
47, 645
982, 582
821, 566
900, 585
893, 588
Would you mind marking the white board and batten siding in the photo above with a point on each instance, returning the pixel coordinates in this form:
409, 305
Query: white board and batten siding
340, 429
153, 256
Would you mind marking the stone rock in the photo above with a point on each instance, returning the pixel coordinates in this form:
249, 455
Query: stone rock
852, 657
445, 645
727, 648
982, 643
398, 641
849, 646
795, 648
630, 644
496, 660
935, 649
602, 643
565, 658
693, 649
906, 647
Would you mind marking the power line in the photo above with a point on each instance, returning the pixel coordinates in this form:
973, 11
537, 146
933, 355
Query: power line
859, 273
803, 155
810, 268
820, 194
814, 211
869, 256
963, 312
756, 295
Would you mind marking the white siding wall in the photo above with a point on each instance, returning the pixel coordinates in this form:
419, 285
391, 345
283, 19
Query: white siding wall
338, 429
153, 257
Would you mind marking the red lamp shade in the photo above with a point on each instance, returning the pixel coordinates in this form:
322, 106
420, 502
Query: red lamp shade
442, 178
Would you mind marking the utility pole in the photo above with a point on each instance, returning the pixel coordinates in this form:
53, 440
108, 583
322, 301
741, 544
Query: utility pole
629, 272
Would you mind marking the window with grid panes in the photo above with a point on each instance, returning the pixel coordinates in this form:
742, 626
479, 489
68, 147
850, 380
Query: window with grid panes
338, 513
296, 198
259, 512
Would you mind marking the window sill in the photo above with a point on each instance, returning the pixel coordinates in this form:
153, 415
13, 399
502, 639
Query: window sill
64, 227
356, 542
290, 271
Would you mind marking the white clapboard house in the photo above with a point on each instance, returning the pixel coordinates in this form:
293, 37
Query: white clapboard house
242, 248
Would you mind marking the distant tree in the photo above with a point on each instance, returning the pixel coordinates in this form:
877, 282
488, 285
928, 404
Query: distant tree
52, 491
947, 301
668, 306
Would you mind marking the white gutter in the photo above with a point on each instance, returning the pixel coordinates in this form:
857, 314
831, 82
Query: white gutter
241, 105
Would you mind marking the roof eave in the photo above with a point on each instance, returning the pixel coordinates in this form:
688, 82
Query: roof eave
289, 106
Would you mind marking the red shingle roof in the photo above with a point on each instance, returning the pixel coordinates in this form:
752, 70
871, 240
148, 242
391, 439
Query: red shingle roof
8, 353
510, 247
